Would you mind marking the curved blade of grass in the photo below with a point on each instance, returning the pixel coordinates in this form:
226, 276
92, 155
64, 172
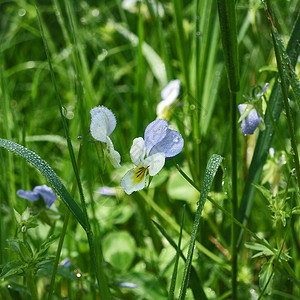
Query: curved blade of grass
194, 279
50, 175
211, 169
174, 274
265, 137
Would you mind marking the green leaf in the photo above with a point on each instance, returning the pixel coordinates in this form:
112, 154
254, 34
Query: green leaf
44, 247
50, 175
296, 210
211, 169
18, 217
264, 251
266, 276
21, 248
12, 268
119, 249
267, 194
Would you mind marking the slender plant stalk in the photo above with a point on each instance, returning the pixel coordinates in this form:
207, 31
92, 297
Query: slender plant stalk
101, 279
31, 283
234, 229
228, 26
63, 232
284, 90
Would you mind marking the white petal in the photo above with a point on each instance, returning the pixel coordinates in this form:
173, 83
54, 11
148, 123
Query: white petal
155, 163
171, 91
134, 180
138, 151
99, 128
113, 155
103, 123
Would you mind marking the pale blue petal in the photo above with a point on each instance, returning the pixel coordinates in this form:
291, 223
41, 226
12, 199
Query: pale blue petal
250, 123
103, 123
47, 193
171, 145
107, 191
154, 133
66, 262
28, 195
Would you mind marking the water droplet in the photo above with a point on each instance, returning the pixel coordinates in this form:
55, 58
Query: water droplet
83, 20
64, 111
95, 12
176, 139
22, 12
102, 56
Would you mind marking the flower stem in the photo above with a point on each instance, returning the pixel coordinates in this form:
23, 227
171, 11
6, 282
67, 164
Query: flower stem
31, 284
234, 229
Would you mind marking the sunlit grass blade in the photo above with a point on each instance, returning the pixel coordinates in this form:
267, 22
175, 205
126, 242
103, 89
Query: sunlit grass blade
50, 175
265, 137
195, 283
211, 169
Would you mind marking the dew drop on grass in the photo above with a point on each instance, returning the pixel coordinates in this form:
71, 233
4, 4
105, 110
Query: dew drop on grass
95, 12
22, 12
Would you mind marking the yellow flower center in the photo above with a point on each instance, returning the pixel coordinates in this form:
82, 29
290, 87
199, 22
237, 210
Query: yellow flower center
139, 174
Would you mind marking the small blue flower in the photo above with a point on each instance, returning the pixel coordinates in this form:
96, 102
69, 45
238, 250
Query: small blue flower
251, 121
42, 190
149, 154
250, 112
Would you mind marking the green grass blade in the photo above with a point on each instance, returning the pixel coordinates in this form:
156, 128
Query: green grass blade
227, 18
153, 59
265, 137
181, 43
174, 274
50, 175
211, 169
195, 283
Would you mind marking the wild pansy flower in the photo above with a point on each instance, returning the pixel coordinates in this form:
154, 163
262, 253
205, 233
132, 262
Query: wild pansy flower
102, 125
169, 94
42, 190
249, 114
149, 154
